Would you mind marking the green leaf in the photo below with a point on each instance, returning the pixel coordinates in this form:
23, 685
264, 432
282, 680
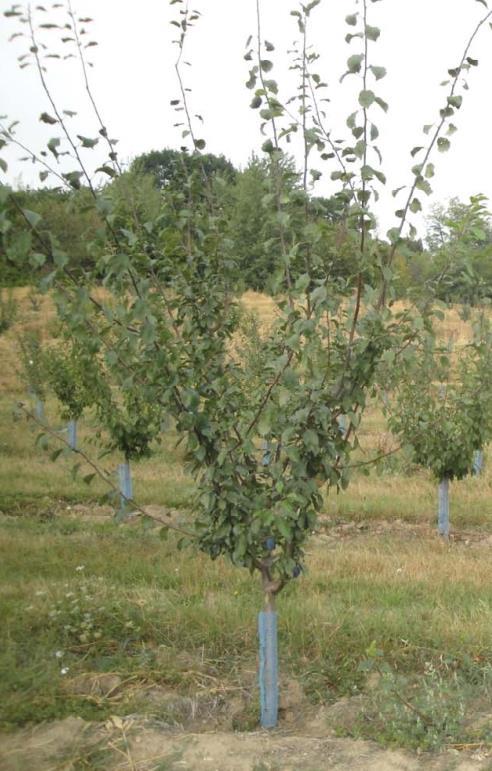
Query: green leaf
266, 65
3, 165
367, 173
354, 63
366, 98
372, 32
443, 144
447, 112
200, 144
351, 19
43, 175
264, 425
271, 85
429, 170
381, 103
378, 72
107, 170
455, 101
46, 118
284, 528
256, 102
251, 82
53, 146
86, 142
40, 439
351, 120
393, 235
422, 184
349, 37
73, 178
87, 479
60, 258
32, 217
415, 206
310, 439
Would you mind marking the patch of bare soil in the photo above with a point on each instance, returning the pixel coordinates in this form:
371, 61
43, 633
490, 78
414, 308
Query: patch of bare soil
135, 743
332, 531
89, 512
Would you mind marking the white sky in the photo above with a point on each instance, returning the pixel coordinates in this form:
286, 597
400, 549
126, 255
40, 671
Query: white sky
133, 82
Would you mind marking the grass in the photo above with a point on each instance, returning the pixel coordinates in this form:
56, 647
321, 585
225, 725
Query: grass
83, 600
121, 601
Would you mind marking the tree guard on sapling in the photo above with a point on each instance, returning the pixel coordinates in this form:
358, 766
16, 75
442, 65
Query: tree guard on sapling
32, 372
478, 460
166, 325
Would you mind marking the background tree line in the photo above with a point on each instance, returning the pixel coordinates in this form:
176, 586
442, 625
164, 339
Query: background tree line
455, 260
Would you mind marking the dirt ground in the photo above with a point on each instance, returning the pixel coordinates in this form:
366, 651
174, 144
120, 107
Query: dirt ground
329, 531
136, 744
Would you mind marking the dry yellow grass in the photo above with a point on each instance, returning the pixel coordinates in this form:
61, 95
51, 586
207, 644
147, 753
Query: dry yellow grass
261, 305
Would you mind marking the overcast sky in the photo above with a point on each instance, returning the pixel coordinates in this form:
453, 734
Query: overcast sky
133, 82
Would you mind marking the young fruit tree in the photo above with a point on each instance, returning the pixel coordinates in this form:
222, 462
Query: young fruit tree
158, 311
442, 410
129, 423
68, 374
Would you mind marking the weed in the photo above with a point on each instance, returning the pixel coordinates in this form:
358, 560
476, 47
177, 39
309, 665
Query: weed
8, 310
95, 758
426, 711
170, 761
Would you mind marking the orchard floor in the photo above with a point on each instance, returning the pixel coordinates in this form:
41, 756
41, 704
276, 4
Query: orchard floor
135, 744
119, 651
175, 688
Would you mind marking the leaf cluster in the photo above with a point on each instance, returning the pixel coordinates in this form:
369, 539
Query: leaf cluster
443, 408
